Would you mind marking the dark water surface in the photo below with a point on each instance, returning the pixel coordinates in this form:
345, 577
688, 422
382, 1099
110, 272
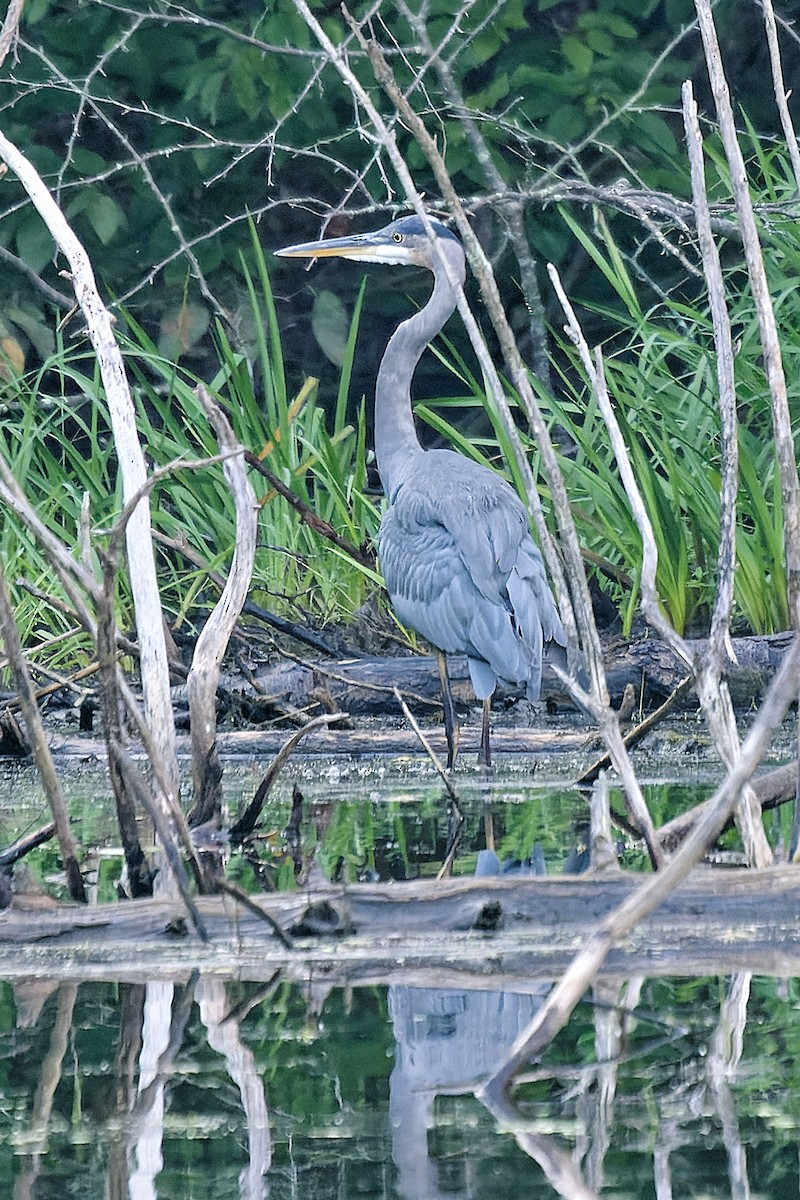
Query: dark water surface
218, 1088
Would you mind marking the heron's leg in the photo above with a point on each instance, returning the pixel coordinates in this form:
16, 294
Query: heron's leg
451, 726
488, 821
485, 753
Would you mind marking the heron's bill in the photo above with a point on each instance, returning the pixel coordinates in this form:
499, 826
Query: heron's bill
346, 247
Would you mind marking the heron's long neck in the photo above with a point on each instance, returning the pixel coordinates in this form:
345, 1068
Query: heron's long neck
396, 442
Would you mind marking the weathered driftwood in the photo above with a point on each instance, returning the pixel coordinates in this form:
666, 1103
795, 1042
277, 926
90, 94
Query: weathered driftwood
364, 685
487, 933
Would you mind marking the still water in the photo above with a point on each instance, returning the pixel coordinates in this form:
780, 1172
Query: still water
211, 1086
212, 1089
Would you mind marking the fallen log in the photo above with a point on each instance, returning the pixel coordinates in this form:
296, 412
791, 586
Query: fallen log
364, 686
483, 933
772, 789
249, 743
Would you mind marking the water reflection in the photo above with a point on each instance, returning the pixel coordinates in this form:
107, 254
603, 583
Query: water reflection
211, 1088
163, 1026
446, 1042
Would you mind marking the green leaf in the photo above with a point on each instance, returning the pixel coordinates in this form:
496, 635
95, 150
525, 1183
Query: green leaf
578, 55
105, 216
38, 332
330, 325
34, 243
347, 360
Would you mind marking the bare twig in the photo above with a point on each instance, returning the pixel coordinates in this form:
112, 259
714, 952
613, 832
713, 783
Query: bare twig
50, 293
281, 624
307, 515
364, 685
429, 750
246, 823
246, 901
639, 732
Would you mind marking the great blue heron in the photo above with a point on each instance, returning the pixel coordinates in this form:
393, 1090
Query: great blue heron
454, 544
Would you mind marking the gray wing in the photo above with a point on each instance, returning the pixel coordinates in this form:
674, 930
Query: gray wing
462, 569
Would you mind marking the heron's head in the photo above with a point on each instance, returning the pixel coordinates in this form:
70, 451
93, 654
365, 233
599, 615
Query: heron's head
403, 243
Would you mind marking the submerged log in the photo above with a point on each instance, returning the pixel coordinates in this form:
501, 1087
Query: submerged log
481, 933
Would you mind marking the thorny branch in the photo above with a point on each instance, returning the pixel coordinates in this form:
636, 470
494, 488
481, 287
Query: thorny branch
556, 171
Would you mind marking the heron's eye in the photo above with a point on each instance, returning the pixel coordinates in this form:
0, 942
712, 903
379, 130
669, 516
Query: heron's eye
397, 237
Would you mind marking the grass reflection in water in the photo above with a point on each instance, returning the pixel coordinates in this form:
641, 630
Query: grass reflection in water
212, 1089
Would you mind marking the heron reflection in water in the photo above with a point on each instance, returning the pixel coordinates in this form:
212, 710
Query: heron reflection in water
455, 547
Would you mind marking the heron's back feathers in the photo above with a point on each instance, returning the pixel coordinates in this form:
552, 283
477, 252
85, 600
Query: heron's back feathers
462, 569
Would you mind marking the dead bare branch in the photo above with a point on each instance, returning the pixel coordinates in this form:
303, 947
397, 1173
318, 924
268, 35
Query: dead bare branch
41, 749
246, 823
712, 691
431, 753
639, 732
307, 515
560, 1003
781, 94
782, 426
213, 640
719, 649
154, 662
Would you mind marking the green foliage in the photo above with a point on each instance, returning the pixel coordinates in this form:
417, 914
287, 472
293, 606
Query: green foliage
63, 453
325, 468
667, 412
